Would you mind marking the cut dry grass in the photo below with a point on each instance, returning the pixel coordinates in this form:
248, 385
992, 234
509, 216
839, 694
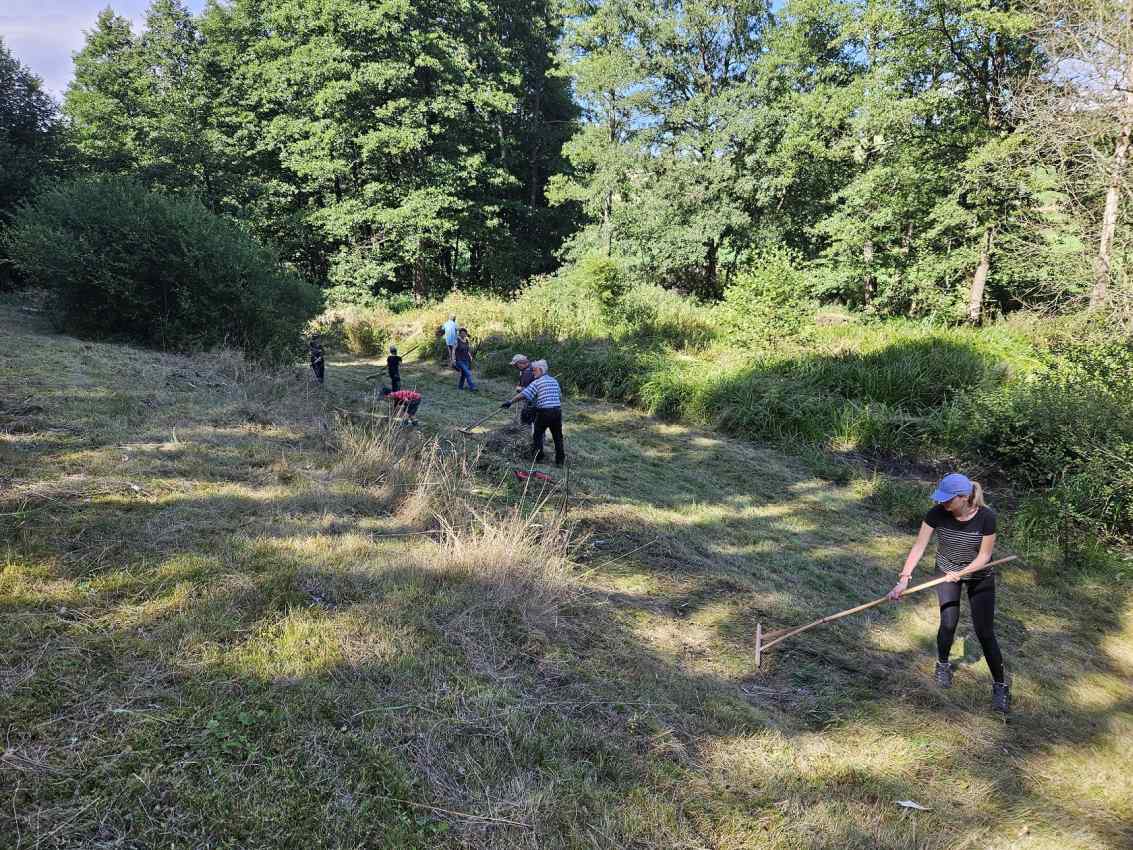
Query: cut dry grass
269, 645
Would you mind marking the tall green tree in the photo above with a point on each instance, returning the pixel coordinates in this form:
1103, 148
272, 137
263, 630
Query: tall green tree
604, 61
105, 99
934, 172
667, 88
30, 138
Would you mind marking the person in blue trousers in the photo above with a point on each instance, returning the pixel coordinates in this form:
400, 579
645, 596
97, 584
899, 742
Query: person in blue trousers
462, 360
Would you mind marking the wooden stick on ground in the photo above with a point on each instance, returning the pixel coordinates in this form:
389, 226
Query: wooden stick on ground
766, 640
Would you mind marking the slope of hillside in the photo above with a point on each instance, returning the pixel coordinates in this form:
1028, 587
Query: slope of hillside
216, 632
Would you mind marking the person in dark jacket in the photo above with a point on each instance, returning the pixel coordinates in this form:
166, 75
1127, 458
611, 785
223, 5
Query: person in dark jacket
393, 367
462, 360
318, 361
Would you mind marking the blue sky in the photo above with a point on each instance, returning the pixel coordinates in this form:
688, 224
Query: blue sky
44, 33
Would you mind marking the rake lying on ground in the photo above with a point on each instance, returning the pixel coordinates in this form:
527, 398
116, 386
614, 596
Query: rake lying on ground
764, 641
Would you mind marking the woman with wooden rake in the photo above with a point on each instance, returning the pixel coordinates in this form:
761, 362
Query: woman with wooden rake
965, 531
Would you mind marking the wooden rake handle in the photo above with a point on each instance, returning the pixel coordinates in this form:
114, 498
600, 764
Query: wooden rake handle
482, 421
769, 639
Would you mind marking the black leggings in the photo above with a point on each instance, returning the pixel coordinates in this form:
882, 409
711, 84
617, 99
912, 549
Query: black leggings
981, 598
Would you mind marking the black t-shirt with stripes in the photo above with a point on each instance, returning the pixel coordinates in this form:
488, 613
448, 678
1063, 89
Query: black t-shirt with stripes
958, 543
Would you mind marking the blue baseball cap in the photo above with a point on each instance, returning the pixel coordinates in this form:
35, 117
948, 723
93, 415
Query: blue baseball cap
951, 486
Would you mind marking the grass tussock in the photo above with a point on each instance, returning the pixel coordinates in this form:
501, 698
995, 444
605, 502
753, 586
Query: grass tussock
522, 554
519, 553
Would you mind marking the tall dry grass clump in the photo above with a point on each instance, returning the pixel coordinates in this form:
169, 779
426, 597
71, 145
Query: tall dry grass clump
518, 555
379, 454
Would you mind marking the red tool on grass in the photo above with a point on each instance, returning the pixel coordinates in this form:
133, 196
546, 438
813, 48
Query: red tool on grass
764, 641
524, 475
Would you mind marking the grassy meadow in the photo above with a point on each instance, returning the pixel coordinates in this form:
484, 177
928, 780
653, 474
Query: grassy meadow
238, 610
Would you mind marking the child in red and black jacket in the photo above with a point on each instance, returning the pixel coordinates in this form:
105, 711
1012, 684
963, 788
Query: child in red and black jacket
406, 400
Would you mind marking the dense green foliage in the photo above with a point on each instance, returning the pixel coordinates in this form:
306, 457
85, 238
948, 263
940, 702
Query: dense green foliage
121, 261
900, 150
30, 139
386, 148
888, 143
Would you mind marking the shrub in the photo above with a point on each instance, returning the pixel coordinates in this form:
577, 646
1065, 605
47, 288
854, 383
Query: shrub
121, 261
1040, 429
363, 333
559, 307
602, 278
772, 296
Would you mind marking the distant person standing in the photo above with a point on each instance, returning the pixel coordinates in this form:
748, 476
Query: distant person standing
393, 367
318, 361
451, 337
546, 396
462, 360
526, 376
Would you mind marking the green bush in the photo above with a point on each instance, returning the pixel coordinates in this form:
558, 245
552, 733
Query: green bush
120, 261
1041, 429
364, 334
601, 277
771, 297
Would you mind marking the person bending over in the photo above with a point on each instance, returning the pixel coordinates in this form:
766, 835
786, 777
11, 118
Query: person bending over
406, 401
965, 530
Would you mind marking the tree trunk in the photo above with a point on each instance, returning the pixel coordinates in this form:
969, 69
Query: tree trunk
1102, 263
419, 281
475, 264
607, 211
535, 152
979, 279
870, 282
446, 263
710, 262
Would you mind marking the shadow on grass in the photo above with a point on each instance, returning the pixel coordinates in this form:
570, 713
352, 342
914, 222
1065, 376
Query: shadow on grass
252, 684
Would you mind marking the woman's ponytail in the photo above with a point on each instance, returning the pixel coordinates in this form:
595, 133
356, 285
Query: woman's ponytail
976, 499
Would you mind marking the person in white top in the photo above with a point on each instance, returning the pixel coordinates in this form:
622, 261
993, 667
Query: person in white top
451, 329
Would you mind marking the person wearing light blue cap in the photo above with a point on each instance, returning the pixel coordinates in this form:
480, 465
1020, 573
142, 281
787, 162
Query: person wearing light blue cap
965, 529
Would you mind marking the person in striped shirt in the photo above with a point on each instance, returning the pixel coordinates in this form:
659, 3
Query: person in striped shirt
545, 396
965, 529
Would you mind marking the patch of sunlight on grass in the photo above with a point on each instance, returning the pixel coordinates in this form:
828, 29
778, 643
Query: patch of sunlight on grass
1094, 779
306, 643
639, 583
33, 585
327, 548
131, 615
1118, 646
1098, 693
907, 631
